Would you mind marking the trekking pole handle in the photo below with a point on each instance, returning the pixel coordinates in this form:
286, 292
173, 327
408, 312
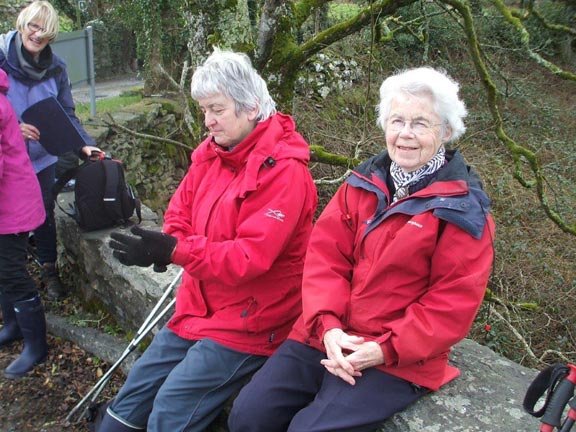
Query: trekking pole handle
570, 417
562, 394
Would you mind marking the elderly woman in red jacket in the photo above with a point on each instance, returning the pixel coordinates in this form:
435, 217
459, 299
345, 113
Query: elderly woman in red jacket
238, 224
21, 211
395, 272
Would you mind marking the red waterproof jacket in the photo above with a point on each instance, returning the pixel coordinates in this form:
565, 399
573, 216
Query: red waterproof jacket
410, 276
243, 220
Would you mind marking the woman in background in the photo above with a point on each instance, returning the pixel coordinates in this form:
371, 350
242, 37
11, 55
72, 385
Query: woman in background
21, 210
36, 73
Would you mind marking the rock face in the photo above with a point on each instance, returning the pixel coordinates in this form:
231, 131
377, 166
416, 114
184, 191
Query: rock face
487, 397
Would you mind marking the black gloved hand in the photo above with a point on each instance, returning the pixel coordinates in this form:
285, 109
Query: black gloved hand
150, 247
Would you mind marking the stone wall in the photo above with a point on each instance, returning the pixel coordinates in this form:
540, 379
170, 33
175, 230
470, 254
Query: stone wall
9, 10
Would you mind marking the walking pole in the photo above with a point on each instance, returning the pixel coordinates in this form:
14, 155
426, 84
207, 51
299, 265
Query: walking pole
149, 323
570, 417
562, 394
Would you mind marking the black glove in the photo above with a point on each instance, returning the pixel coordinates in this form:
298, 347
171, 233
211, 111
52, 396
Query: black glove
150, 247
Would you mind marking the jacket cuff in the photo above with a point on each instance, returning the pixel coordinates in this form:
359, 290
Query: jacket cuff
188, 249
390, 355
180, 253
325, 323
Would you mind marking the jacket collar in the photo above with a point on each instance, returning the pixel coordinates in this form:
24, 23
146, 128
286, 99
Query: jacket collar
4, 82
271, 140
11, 61
455, 196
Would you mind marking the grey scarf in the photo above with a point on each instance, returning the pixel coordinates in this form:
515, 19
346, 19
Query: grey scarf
32, 71
403, 180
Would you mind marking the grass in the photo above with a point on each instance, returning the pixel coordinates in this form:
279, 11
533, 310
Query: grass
108, 105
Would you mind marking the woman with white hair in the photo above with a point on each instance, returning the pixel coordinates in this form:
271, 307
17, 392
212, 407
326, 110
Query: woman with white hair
36, 73
239, 225
395, 272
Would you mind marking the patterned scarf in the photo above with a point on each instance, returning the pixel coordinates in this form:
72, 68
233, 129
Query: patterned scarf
403, 180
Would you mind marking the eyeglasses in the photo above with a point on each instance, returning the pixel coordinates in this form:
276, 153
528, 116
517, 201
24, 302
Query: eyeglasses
34, 28
418, 127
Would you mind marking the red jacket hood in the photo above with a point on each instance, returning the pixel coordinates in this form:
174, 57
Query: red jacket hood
283, 142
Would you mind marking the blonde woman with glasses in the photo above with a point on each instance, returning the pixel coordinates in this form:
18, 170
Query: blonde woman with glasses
36, 73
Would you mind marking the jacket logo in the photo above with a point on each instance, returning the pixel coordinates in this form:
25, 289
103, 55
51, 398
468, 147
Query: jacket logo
275, 214
416, 224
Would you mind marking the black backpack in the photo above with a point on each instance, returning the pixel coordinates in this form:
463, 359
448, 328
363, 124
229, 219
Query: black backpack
102, 198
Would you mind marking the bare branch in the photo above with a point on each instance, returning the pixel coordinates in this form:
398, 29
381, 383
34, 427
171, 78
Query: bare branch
112, 123
182, 93
518, 152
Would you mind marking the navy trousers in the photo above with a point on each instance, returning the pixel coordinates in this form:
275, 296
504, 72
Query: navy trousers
294, 392
179, 385
45, 234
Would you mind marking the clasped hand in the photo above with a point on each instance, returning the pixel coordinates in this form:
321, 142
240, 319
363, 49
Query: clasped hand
349, 366
147, 248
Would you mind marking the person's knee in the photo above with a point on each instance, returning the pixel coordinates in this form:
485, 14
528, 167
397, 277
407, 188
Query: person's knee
242, 416
252, 413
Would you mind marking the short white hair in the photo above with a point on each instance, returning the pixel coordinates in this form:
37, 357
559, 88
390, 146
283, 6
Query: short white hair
232, 74
426, 81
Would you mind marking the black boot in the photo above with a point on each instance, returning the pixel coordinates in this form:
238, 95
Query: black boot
10, 331
51, 280
32, 323
113, 424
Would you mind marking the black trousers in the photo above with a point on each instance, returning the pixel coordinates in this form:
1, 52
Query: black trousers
293, 392
15, 281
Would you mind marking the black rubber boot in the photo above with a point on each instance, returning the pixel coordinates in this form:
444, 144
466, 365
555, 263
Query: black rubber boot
32, 323
10, 331
112, 424
51, 281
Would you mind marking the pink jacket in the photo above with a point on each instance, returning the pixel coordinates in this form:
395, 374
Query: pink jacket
243, 219
21, 207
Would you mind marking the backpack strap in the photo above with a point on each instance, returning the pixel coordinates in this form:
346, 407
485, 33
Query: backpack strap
63, 179
137, 206
112, 176
57, 188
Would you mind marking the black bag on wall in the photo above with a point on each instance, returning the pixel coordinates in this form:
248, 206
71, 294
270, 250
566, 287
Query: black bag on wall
102, 198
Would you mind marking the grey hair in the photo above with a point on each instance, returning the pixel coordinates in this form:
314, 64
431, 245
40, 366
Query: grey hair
43, 11
426, 81
232, 74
